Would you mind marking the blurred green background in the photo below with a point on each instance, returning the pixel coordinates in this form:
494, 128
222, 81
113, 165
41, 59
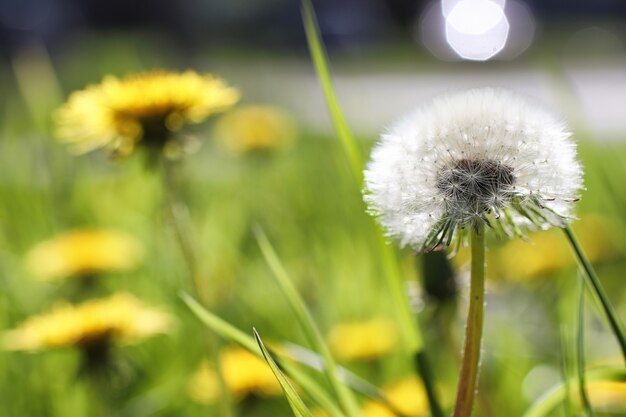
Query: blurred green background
387, 57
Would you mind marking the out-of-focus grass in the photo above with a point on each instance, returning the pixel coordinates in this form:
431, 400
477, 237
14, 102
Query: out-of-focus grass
306, 201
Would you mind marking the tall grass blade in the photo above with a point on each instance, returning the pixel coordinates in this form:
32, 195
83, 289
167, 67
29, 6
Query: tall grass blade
233, 334
410, 328
592, 279
580, 350
305, 319
315, 361
318, 55
295, 402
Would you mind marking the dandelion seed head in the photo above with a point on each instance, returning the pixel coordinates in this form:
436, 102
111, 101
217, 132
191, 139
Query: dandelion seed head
483, 155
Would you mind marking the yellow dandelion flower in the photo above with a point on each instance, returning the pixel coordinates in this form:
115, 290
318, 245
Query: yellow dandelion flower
141, 108
255, 128
120, 317
376, 409
608, 395
363, 340
244, 373
82, 253
204, 386
407, 397
548, 252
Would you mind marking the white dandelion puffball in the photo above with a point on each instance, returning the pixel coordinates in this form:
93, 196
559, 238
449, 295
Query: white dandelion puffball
482, 156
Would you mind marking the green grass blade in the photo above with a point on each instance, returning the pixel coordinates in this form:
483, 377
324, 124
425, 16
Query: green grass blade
220, 326
295, 402
318, 55
305, 319
411, 335
556, 395
37, 83
580, 350
596, 286
410, 328
313, 360
233, 334
566, 369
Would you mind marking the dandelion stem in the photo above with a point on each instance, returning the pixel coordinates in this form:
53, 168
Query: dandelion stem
473, 331
593, 280
182, 229
176, 211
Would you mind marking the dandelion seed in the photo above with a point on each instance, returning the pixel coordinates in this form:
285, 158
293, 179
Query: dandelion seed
479, 156
140, 109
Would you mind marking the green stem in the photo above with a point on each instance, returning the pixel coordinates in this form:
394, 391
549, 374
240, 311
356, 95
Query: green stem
408, 323
423, 368
580, 351
182, 229
176, 212
473, 332
593, 280
305, 318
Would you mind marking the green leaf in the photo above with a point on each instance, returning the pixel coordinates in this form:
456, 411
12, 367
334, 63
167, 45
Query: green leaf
295, 402
556, 395
233, 334
305, 319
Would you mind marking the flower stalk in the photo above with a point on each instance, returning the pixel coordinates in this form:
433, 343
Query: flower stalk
175, 211
182, 229
473, 332
594, 282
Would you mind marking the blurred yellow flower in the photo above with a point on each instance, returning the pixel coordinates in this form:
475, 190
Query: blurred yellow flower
244, 373
141, 108
318, 412
376, 409
82, 253
363, 340
255, 128
407, 397
120, 317
548, 251
608, 395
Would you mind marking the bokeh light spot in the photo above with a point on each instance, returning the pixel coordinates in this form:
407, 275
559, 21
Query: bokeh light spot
477, 29
475, 17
